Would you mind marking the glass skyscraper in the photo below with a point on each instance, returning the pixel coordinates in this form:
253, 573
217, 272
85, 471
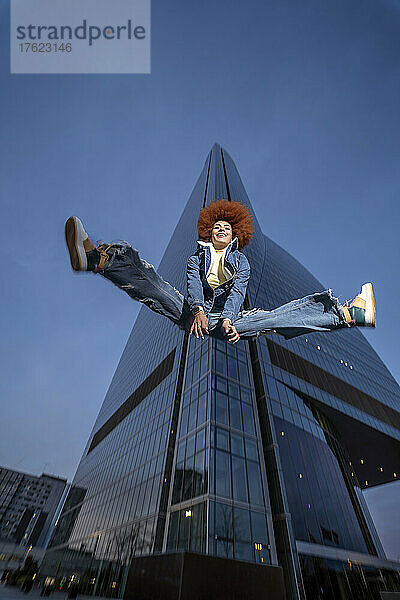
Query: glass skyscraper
255, 452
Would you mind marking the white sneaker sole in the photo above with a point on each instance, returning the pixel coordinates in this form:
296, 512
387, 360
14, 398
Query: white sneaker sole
367, 294
75, 235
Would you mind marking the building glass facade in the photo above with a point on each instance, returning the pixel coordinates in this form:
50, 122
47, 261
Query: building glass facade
256, 451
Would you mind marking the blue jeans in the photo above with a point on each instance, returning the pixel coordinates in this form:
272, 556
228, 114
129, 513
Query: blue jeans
316, 312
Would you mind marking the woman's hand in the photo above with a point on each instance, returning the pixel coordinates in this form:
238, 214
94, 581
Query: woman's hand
200, 324
230, 331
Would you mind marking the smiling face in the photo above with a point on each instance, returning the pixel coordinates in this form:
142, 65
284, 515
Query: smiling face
221, 234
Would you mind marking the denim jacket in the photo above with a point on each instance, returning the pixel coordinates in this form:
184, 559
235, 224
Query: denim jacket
228, 297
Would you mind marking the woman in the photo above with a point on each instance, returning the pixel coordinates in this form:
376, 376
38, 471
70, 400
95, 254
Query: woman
217, 278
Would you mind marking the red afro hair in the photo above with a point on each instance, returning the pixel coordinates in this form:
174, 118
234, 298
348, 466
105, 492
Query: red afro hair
235, 213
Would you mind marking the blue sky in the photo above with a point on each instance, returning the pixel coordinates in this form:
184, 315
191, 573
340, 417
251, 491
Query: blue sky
305, 98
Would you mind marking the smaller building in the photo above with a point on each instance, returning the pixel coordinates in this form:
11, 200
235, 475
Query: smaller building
29, 506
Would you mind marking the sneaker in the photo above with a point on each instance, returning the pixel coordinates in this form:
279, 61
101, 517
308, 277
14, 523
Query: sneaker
83, 254
362, 308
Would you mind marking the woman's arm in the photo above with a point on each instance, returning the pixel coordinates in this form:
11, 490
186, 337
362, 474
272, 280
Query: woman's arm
237, 294
195, 294
195, 297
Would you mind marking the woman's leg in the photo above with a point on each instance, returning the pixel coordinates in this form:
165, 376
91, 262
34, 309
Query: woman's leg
121, 264
317, 312
141, 282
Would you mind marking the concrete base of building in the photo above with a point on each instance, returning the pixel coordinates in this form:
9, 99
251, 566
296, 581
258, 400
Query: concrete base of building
188, 576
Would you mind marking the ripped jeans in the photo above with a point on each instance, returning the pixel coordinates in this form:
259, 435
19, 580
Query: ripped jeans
316, 312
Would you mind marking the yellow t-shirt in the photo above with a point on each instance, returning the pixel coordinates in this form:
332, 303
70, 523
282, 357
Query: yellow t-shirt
217, 275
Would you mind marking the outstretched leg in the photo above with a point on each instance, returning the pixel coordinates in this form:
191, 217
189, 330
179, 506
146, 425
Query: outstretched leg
316, 312
121, 264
